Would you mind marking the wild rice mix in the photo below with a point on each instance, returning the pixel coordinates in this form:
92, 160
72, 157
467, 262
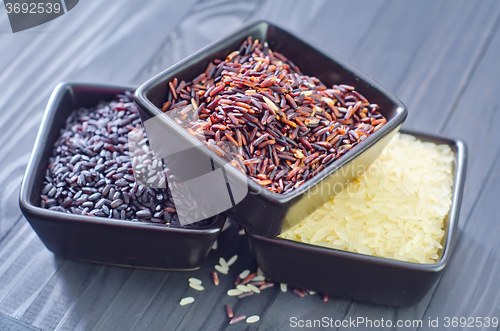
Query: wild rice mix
90, 171
277, 125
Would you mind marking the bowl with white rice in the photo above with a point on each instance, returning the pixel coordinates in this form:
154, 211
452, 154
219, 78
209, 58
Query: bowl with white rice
387, 236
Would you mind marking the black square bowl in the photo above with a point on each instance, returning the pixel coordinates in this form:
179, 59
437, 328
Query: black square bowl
261, 211
362, 277
98, 239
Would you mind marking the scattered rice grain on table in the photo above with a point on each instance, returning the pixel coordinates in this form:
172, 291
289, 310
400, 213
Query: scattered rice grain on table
232, 260
215, 278
253, 288
244, 273
253, 319
194, 280
186, 301
234, 292
221, 269
283, 287
243, 288
395, 210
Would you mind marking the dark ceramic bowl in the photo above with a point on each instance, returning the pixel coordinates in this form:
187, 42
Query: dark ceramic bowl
357, 276
261, 211
98, 239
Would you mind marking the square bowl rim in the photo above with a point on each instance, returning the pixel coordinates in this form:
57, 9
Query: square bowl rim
459, 181
35, 160
141, 99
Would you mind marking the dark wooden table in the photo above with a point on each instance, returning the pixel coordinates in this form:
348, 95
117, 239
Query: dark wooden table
442, 58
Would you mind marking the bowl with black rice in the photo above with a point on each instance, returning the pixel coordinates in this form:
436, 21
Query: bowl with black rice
81, 195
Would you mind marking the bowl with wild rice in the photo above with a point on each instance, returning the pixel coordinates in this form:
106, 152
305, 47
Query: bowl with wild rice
387, 237
92, 194
284, 118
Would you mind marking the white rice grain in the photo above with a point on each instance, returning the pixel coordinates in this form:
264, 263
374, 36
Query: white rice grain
396, 209
283, 287
231, 261
234, 292
186, 301
243, 288
253, 288
244, 273
258, 279
195, 280
223, 263
221, 269
253, 319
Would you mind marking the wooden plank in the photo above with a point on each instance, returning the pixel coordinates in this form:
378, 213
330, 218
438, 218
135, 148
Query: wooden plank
11, 324
59, 294
95, 299
384, 54
208, 310
125, 45
29, 283
444, 62
11, 249
387, 49
475, 121
26, 268
341, 26
19, 125
469, 287
313, 21
103, 38
14, 43
207, 21
78, 303
288, 309
132, 300
54, 57
454, 52
15, 258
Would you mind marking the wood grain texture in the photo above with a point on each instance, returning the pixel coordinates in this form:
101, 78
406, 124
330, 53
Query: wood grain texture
470, 285
59, 294
99, 32
440, 57
11, 324
476, 119
95, 299
387, 49
442, 65
427, 74
206, 22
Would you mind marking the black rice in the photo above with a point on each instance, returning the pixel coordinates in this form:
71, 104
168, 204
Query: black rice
91, 169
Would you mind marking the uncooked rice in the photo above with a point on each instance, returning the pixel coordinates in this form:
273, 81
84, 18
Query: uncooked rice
396, 209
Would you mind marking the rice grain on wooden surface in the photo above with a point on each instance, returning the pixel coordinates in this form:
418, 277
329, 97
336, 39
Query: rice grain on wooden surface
396, 209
